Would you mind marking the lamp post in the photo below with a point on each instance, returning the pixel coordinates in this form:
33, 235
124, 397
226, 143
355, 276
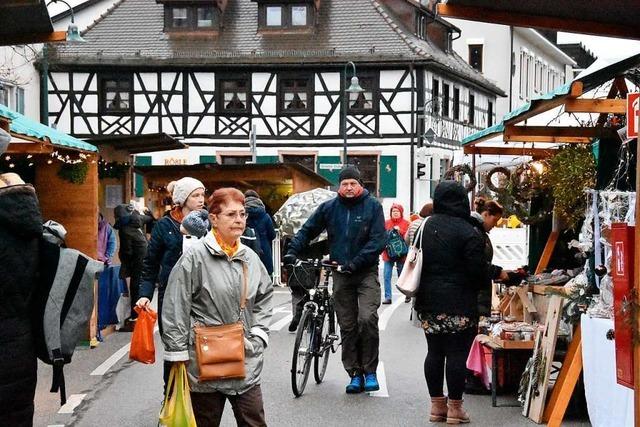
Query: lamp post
354, 87
73, 36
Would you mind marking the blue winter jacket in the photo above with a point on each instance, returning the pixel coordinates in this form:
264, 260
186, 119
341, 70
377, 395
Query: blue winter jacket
355, 228
163, 252
262, 224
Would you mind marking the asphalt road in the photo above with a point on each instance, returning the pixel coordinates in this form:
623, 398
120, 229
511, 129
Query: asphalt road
125, 393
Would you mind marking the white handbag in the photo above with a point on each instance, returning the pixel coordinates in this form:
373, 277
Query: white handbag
409, 279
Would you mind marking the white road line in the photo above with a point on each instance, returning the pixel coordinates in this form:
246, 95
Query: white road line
386, 314
281, 323
72, 402
115, 357
382, 380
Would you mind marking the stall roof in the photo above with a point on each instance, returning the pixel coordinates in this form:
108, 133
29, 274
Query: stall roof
23, 127
135, 144
212, 167
25, 22
594, 17
596, 75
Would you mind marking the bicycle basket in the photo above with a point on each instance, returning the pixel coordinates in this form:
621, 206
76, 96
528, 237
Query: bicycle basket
303, 276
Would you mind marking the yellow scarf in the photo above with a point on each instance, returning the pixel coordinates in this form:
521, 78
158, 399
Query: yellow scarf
230, 250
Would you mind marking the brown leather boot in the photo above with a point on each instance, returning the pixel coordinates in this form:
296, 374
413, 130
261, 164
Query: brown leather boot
456, 413
438, 409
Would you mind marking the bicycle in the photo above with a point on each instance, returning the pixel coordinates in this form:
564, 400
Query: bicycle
316, 335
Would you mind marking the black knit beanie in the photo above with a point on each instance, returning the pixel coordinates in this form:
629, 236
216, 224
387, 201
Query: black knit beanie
350, 172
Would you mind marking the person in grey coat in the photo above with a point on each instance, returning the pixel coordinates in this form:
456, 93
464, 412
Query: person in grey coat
204, 289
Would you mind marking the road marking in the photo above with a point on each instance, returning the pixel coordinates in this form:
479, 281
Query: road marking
281, 323
386, 314
72, 402
382, 380
115, 357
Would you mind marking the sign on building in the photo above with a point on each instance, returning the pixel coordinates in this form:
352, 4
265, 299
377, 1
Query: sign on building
633, 111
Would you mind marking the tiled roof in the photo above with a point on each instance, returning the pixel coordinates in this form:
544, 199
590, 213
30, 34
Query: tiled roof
131, 33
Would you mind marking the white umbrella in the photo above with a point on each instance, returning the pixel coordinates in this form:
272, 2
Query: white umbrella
298, 209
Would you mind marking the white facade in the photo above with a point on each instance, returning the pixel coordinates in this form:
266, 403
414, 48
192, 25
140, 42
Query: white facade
520, 61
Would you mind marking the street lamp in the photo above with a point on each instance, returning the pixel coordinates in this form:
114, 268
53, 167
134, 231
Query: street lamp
354, 87
73, 32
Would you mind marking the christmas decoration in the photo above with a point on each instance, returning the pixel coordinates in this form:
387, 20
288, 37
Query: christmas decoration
458, 172
75, 173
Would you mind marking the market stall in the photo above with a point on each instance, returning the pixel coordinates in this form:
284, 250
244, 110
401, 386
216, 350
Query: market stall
575, 186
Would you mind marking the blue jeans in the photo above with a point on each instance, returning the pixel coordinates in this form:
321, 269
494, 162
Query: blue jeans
388, 272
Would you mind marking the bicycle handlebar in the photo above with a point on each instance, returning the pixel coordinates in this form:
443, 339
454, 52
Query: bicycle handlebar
317, 263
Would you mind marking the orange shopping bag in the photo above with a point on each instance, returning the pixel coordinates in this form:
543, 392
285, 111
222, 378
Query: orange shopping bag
142, 346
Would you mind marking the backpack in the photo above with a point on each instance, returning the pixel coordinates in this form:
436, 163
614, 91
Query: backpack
396, 247
62, 304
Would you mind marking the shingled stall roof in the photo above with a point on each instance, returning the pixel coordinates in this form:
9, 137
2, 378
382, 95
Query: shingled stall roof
364, 31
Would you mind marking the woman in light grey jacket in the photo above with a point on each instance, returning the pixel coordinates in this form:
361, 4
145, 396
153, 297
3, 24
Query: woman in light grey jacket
205, 288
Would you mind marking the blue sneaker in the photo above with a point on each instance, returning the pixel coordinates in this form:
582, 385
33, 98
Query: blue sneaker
371, 382
356, 385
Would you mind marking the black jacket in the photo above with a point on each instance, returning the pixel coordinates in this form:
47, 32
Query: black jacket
453, 263
20, 231
355, 228
165, 248
493, 271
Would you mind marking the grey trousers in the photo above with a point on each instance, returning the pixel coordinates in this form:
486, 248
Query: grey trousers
357, 298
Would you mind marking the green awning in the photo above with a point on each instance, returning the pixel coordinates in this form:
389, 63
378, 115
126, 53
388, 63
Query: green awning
21, 125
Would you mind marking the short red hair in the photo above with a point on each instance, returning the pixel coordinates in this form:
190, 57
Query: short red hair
223, 196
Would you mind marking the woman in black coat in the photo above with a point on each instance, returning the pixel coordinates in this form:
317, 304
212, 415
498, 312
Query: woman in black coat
453, 271
20, 230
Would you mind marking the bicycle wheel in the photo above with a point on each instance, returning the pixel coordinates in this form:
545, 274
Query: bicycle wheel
302, 353
321, 359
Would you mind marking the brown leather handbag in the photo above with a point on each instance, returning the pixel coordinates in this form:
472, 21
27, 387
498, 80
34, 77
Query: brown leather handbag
220, 349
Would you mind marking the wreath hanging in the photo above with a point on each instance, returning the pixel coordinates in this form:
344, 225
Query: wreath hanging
75, 173
489, 179
457, 173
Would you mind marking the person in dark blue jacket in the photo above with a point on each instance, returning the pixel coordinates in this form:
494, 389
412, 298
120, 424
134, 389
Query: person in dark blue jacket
165, 245
262, 225
355, 227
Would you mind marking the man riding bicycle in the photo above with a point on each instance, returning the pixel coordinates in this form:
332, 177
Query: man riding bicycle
355, 226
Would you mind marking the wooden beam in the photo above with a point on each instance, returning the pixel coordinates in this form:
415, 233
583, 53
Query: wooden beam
566, 382
510, 151
547, 252
615, 106
53, 37
29, 148
555, 134
474, 13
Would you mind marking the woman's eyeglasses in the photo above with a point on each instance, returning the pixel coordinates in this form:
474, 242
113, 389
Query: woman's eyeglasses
233, 215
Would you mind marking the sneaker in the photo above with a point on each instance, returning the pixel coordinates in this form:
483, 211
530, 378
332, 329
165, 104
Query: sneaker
371, 382
387, 301
293, 326
356, 385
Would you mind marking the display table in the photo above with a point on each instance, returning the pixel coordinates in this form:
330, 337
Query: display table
609, 404
499, 350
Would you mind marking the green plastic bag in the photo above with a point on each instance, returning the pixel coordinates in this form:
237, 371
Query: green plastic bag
177, 410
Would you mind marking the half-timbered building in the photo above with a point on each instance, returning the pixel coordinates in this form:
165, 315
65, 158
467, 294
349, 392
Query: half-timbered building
210, 71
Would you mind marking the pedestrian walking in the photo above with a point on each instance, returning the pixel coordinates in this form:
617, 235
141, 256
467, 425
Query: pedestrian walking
130, 223
166, 245
354, 222
205, 289
20, 231
399, 225
447, 300
425, 212
262, 225
107, 245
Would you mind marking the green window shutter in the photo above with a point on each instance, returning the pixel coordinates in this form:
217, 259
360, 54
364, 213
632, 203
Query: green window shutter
388, 176
141, 161
329, 167
595, 149
207, 160
266, 159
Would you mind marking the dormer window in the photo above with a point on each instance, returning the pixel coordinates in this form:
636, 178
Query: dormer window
191, 15
286, 16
